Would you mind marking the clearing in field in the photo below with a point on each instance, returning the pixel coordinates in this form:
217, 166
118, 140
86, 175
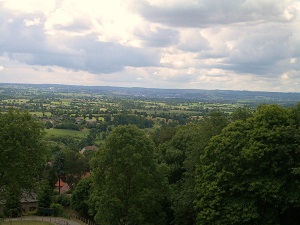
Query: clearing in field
63, 132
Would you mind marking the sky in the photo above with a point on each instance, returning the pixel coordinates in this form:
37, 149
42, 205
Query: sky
187, 44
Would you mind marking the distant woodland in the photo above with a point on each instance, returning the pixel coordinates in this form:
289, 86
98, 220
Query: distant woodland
135, 159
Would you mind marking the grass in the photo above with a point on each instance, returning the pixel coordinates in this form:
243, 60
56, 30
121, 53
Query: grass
40, 114
26, 222
63, 132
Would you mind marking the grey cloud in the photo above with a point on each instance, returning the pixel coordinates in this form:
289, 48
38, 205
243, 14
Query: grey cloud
32, 46
93, 56
159, 38
196, 43
76, 26
182, 78
240, 36
17, 38
203, 13
258, 49
106, 57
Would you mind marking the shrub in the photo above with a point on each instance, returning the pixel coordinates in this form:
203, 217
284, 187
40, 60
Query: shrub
58, 209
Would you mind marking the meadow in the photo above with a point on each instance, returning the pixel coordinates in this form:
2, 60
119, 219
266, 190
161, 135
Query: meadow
63, 132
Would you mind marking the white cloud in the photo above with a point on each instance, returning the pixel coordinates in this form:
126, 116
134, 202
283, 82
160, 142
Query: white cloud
29, 6
291, 77
234, 44
35, 21
293, 60
193, 40
109, 20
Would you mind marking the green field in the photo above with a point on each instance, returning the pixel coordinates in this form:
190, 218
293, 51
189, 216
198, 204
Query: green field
40, 114
63, 132
26, 222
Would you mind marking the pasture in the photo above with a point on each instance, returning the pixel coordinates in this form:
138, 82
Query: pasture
64, 132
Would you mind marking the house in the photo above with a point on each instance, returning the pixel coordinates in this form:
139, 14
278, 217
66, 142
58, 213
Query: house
29, 202
62, 187
93, 148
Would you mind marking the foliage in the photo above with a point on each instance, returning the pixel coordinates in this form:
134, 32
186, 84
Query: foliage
75, 167
69, 166
57, 209
62, 199
12, 206
181, 154
45, 195
163, 134
80, 196
245, 175
51, 176
139, 121
65, 141
89, 154
128, 187
67, 126
241, 114
59, 165
48, 125
22, 151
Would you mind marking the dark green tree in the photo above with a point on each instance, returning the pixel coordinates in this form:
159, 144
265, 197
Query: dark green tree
107, 118
181, 154
163, 134
246, 173
241, 114
22, 152
48, 125
45, 195
128, 186
59, 166
81, 195
76, 166
12, 206
217, 120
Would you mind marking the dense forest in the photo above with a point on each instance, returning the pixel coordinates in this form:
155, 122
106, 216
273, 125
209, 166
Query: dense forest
237, 168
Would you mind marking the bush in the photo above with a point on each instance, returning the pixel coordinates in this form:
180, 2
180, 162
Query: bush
12, 206
63, 199
58, 209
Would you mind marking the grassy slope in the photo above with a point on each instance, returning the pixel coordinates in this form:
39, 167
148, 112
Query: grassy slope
63, 132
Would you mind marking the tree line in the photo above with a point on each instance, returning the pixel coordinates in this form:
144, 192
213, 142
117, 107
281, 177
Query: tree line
238, 169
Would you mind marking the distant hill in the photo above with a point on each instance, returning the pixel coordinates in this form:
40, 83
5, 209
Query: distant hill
226, 96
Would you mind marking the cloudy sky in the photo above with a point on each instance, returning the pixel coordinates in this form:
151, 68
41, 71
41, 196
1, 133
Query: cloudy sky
202, 44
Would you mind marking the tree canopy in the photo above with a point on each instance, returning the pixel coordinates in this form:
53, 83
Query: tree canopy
80, 196
22, 152
181, 154
128, 186
246, 173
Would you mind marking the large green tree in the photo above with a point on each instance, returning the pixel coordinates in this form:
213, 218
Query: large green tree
22, 152
59, 166
76, 166
181, 154
69, 166
246, 174
128, 186
81, 195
